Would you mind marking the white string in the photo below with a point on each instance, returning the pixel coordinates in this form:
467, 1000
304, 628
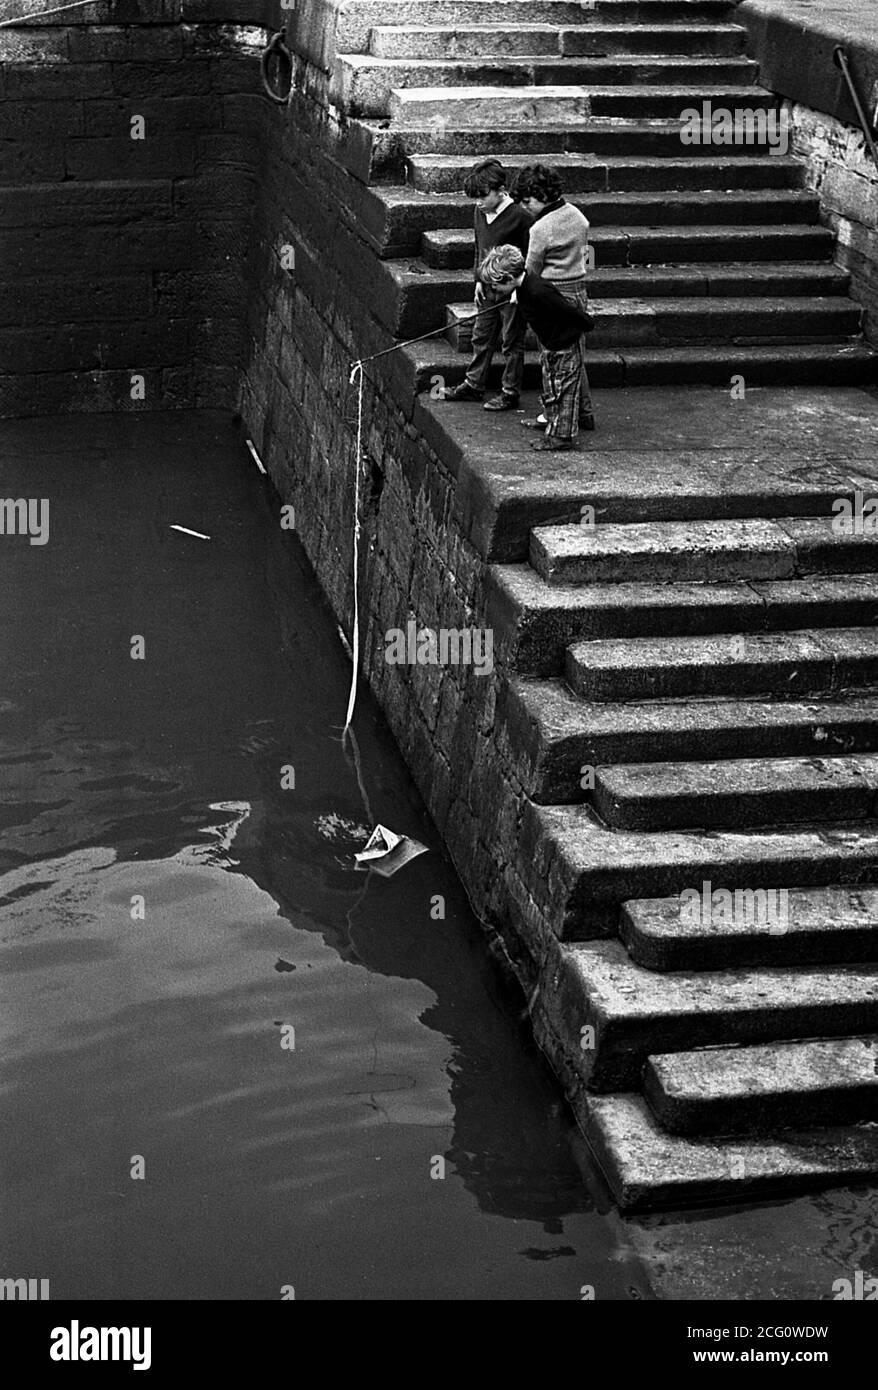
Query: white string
356, 372
39, 14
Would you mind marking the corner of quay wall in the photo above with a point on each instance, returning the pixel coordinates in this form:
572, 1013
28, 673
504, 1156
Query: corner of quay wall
417, 563
794, 42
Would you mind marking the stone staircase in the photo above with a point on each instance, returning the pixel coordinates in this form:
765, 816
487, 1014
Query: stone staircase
692, 702
696, 703
708, 260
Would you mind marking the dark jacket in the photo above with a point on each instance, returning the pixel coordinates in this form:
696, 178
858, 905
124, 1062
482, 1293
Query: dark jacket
555, 320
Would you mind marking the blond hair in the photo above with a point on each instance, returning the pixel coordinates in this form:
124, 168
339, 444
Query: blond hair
502, 263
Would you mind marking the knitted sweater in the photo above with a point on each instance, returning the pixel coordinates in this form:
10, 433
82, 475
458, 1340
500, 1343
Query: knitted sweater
508, 228
558, 242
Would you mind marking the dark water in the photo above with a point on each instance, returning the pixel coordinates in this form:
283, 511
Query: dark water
160, 1039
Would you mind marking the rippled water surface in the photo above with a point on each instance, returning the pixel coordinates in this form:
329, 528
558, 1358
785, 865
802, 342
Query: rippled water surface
159, 781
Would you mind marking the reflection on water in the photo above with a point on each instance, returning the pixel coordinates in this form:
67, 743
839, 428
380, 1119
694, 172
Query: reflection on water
192, 972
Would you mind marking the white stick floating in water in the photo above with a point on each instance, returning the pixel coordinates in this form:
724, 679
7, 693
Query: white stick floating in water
257, 459
186, 532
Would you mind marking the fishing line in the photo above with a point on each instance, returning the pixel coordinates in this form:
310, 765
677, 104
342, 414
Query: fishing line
357, 376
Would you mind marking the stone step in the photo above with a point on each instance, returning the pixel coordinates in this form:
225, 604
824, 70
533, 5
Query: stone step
637, 1014
394, 219
522, 105
634, 246
706, 552
657, 210
737, 793
666, 322
362, 84
426, 365
598, 136
412, 298
647, 1168
579, 871
623, 173
766, 1088
555, 741
535, 622
780, 665
355, 22
835, 924
497, 40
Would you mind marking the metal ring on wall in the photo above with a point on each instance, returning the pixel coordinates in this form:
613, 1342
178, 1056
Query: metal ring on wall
278, 47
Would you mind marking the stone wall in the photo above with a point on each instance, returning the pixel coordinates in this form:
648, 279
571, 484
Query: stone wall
794, 43
419, 562
841, 170
125, 257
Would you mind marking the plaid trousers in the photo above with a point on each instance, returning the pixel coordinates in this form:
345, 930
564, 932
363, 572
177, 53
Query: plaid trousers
562, 379
577, 292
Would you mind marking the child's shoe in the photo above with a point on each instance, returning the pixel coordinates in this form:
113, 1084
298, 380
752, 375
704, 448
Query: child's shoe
502, 402
462, 392
553, 446
537, 423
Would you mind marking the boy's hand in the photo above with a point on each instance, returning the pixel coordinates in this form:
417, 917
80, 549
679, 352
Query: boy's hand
479, 296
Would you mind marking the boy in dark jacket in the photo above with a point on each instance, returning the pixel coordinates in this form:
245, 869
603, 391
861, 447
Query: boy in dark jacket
559, 325
497, 221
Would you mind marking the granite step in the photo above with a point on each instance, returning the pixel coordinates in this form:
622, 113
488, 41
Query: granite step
738, 793
636, 1014
621, 173
412, 298
556, 741
579, 871
639, 246
669, 552
363, 85
394, 219
435, 363
779, 665
667, 321
499, 40
765, 1088
535, 622
598, 136
833, 924
356, 22
647, 1168
504, 106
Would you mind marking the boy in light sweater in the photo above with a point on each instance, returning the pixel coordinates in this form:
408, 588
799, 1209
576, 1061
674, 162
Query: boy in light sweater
497, 220
557, 250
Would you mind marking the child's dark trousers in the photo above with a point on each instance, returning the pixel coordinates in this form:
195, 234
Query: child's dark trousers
504, 328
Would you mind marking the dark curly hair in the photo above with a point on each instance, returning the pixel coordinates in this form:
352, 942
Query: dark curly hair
537, 181
483, 178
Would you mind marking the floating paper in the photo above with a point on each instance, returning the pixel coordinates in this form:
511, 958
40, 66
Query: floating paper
386, 852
